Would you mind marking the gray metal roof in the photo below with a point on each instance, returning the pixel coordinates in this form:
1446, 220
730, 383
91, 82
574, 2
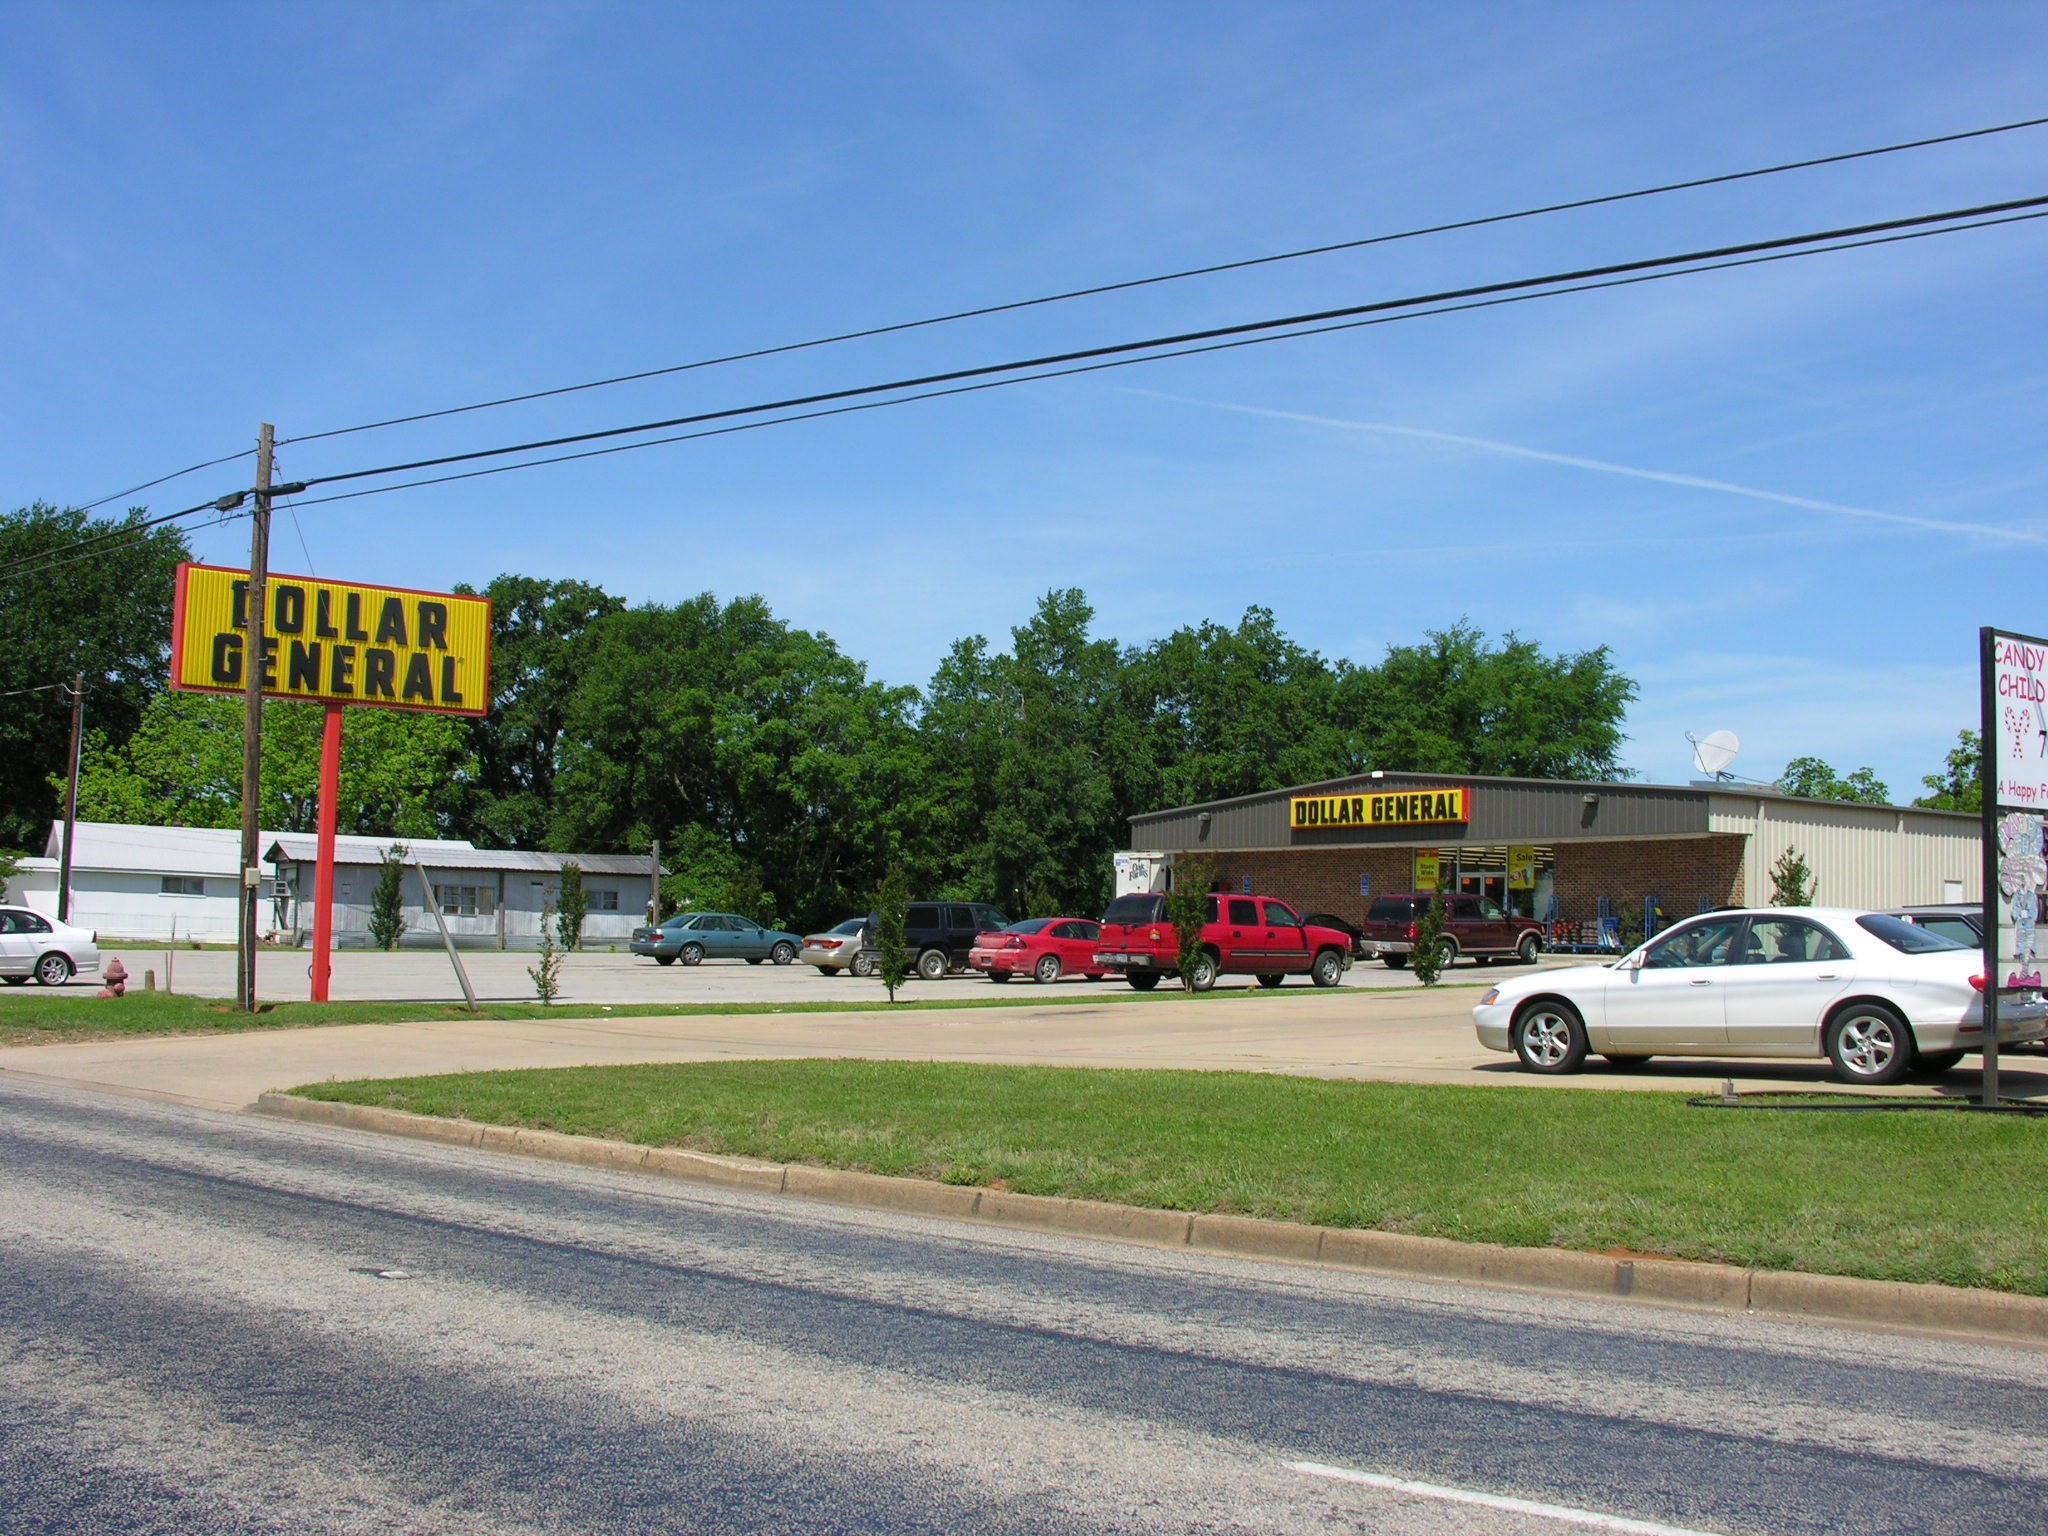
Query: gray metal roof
302, 848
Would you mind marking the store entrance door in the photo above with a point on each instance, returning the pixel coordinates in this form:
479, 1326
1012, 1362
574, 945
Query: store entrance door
1493, 886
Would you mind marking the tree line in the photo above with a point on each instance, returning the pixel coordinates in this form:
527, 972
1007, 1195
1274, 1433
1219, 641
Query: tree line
780, 778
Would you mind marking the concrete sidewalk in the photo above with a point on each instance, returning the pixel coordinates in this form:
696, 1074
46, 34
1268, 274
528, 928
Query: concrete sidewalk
1415, 1037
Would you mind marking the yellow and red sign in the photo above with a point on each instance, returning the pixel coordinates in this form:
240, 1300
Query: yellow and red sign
1388, 808
334, 642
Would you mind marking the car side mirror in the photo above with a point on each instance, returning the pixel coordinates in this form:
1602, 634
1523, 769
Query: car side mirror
1630, 962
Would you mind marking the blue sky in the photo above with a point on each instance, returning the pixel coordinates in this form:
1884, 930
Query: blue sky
1785, 496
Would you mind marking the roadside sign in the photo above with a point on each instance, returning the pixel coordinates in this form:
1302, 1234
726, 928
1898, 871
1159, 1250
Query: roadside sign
2013, 695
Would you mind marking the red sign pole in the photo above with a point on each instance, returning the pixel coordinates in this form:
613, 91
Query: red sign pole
323, 871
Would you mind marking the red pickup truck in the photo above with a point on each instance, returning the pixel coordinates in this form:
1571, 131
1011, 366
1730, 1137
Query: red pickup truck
1244, 936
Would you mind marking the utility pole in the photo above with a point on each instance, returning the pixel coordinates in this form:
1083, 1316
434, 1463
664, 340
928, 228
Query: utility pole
71, 797
654, 885
257, 615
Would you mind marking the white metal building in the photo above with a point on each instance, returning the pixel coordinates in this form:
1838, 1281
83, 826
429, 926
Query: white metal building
163, 884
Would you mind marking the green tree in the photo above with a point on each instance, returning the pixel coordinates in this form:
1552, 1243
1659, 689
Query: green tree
1812, 779
541, 638
402, 773
572, 902
1792, 882
1187, 909
387, 901
1960, 784
106, 615
10, 866
1427, 958
1458, 705
892, 909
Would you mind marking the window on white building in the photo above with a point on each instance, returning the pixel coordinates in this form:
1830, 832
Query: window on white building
603, 901
184, 885
464, 900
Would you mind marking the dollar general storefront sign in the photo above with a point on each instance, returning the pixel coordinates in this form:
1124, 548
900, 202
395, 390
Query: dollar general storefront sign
334, 642
1405, 807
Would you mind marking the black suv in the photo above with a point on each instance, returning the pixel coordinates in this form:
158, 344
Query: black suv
938, 934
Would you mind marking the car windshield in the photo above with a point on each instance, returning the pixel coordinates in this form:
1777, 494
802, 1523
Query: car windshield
852, 925
1030, 925
1907, 938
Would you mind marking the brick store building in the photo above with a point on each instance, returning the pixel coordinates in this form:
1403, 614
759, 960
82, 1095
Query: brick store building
1572, 854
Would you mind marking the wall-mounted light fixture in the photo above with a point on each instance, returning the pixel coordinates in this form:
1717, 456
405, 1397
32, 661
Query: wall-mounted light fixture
1203, 822
1592, 799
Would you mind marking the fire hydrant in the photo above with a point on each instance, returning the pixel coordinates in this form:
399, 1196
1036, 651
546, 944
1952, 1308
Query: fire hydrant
117, 978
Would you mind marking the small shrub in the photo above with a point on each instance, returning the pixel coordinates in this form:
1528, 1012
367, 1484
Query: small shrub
1792, 882
1187, 908
892, 911
547, 972
387, 902
571, 903
1427, 960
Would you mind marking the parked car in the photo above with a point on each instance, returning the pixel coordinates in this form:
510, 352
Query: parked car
841, 950
1243, 936
1043, 948
693, 937
1960, 921
1875, 995
1342, 925
52, 952
1473, 925
938, 935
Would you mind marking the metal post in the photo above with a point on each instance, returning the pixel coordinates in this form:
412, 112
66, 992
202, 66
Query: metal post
71, 799
1987, 666
257, 616
323, 868
654, 885
447, 942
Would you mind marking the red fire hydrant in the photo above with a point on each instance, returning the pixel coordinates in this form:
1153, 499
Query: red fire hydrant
117, 978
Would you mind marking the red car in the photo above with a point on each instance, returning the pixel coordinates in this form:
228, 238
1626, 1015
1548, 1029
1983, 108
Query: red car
1043, 948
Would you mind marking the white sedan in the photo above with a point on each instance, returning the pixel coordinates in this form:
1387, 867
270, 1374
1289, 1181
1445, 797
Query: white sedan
1876, 996
52, 952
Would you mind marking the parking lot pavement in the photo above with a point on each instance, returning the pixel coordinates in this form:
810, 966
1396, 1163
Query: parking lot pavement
603, 976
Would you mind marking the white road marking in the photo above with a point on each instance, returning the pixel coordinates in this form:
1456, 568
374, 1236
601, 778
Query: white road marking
1561, 1512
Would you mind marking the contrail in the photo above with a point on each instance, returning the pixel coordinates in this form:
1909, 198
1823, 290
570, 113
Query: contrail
1602, 466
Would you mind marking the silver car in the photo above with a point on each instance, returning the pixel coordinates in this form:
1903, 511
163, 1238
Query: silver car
52, 952
840, 951
1877, 996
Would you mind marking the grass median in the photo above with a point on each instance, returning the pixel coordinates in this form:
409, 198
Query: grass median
34, 1018
1932, 1196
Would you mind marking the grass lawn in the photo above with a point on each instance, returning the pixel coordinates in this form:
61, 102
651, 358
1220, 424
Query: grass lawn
29, 1016
1931, 1195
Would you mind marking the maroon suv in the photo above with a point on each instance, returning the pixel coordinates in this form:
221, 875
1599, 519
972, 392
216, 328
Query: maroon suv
1473, 926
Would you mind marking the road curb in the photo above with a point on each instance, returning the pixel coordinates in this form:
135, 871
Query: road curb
1666, 1282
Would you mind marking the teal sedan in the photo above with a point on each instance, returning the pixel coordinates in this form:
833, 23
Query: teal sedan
694, 937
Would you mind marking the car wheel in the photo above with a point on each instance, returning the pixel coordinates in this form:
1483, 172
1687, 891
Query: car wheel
783, 953
1395, 962
1203, 976
691, 954
1144, 981
998, 975
53, 970
1447, 947
1271, 981
1550, 1037
863, 964
1528, 949
1934, 1063
1328, 969
1047, 969
931, 965
1624, 1062
664, 959
1869, 1043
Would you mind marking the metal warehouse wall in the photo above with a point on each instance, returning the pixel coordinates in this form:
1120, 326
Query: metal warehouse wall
1875, 856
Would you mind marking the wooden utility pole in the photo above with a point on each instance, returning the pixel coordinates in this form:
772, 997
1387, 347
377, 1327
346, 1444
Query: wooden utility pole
258, 612
71, 797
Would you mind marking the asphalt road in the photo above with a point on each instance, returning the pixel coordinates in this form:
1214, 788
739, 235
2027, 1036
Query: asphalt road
215, 1324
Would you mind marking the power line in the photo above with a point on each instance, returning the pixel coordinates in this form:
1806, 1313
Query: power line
1128, 362
1121, 354
117, 536
1126, 285
1212, 333
226, 458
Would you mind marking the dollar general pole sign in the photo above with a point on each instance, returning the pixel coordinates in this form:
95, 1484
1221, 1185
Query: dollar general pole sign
334, 642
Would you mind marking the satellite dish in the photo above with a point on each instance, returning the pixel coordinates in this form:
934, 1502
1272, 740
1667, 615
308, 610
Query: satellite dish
1712, 753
